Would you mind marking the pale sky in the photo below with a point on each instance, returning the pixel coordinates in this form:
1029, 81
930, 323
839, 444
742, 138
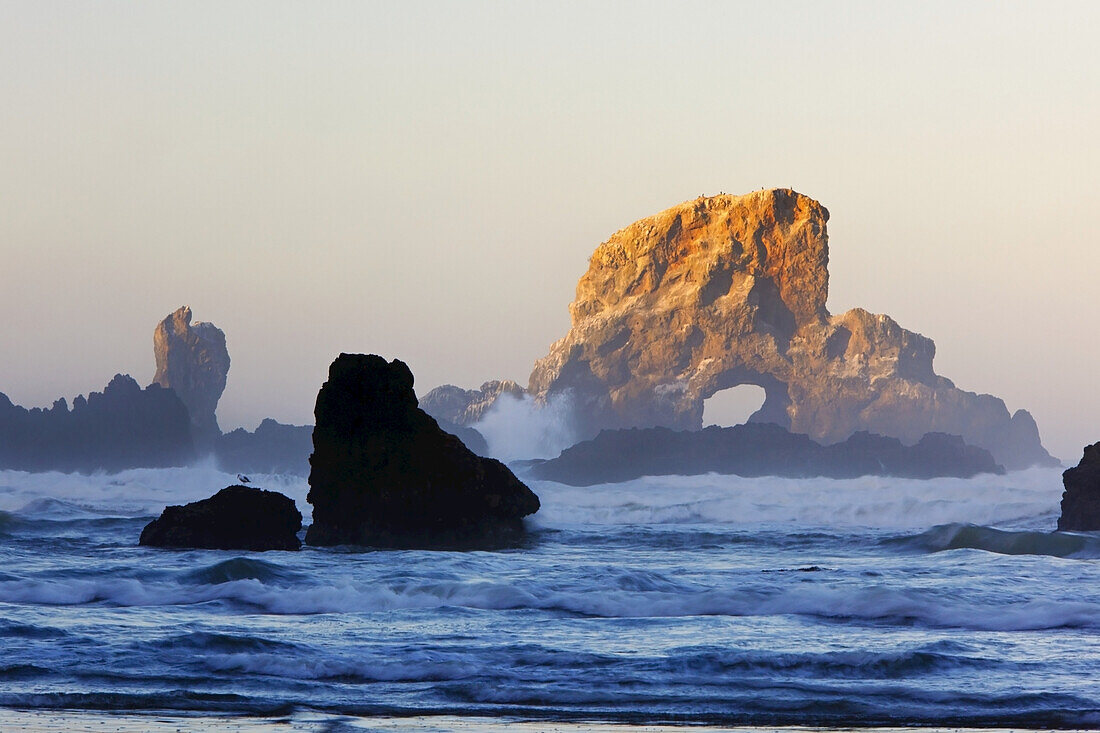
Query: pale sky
426, 181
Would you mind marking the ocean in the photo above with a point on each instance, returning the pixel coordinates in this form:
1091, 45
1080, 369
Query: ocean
705, 600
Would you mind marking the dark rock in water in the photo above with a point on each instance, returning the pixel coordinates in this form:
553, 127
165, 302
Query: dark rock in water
384, 473
192, 359
122, 427
1081, 499
235, 518
272, 448
758, 449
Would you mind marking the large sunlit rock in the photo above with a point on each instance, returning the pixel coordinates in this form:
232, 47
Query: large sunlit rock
731, 290
193, 361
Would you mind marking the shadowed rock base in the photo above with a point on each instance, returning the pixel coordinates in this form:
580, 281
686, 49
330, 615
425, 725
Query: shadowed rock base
384, 474
1081, 499
759, 449
235, 518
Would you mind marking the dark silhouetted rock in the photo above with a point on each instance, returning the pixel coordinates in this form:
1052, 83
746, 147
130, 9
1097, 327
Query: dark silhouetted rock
730, 290
278, 448
272, 448
192, 359
235, 518
470, 437
1081, 499
758, 449
122, 427
383, 473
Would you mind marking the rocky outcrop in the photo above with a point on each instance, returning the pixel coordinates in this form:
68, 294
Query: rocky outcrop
758, 449
458, 406
122, 427
384, 474
272, 448
1081, 498
275, 447
235, 518
193, 361
732, 290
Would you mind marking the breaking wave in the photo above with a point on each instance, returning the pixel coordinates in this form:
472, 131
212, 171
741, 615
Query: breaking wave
1004, 542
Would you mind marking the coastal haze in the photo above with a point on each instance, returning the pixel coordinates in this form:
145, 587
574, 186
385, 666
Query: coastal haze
427, 181
589, 232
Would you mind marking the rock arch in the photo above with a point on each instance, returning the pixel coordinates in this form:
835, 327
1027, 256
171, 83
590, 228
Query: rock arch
730, 290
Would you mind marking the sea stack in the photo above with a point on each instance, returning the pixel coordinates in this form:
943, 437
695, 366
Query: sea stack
235, 518
1081, 498
383, 473
729, 290
193, 361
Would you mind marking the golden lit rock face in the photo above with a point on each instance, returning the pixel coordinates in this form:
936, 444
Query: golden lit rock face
731, 290
192, 359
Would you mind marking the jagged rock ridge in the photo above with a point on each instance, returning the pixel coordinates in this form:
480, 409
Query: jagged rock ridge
457, 406
192, 359
731, 290
122, 427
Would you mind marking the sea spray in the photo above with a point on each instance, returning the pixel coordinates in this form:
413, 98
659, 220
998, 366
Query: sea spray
870, 502
521, 427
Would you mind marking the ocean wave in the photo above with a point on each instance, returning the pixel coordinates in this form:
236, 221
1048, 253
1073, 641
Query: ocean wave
14, 629
412, 667
1028, 497
1003, 542
242, 568
205, 641
868, 604
138, 492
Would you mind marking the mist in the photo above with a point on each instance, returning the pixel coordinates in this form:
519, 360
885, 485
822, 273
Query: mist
520, 428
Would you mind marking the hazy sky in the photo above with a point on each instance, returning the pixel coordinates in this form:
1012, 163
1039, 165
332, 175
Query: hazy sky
427, 180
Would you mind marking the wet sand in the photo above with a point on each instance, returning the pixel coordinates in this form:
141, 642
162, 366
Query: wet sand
66, 721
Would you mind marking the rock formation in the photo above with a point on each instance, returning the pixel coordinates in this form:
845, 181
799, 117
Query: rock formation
383, 473
235, 518
731, 290
459, 406
122, 427
275, 447
193, 361
272, 448
758, 449
1081, 499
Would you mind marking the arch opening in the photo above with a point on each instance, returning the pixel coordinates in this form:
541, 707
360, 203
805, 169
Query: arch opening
733, 406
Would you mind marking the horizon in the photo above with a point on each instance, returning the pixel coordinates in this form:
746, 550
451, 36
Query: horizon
426, 182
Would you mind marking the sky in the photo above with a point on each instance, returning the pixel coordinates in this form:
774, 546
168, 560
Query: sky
427, 180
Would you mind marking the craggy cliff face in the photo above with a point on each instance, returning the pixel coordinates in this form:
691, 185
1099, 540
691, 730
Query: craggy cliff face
193, 361
731, 290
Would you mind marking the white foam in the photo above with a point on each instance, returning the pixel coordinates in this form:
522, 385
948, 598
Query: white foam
517, 428
131, 493
1030, 497
868, 603
1027, 499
